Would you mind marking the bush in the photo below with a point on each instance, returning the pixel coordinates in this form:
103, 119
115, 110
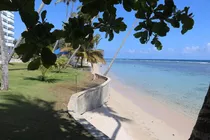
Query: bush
60, 63
44, 71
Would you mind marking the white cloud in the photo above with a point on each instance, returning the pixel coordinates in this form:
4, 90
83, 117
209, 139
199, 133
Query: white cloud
207, 48
192, 49
131, 51
197, 49
149, 50
143, 51
171, 50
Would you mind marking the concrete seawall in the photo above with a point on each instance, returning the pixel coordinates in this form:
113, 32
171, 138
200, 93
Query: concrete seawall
90, 99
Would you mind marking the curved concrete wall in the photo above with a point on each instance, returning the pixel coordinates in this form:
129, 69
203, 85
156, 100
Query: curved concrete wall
90, 99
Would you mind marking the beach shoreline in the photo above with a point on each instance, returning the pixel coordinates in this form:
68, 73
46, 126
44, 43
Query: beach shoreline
134, 116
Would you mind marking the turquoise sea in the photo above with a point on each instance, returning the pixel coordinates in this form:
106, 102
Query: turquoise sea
182, 84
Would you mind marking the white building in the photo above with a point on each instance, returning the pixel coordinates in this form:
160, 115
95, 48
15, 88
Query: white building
8, 28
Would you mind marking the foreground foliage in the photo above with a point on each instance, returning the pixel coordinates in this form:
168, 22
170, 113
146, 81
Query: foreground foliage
155, 21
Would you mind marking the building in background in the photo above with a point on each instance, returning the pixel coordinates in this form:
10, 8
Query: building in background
8, 28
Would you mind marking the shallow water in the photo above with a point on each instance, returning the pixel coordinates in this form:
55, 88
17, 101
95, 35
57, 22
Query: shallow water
180, 83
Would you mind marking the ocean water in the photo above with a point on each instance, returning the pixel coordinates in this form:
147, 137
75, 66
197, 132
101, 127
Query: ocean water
182, 84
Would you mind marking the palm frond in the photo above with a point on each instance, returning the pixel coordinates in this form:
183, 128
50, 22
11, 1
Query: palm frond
96, 56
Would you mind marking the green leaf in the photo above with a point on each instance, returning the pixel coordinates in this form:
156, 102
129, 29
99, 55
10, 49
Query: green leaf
158, 45
160, 28
160, 7
144, 37
106, 16
175, 23
7, 5
139, 27
138, 34
127, 4
48, 58
29, 18
140, 14
26, 51
111, 36
47, 1
43, 15
187, 22
152, 3
35, 64
58, 34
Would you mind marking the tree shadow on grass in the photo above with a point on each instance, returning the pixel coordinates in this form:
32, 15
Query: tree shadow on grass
15, 69
59, 72
24, 118
39, 78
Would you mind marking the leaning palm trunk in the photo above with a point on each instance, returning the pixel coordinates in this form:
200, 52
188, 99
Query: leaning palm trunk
72, 56
123, 42
55, 46
201, 130
4, 61
93, 71
21, 38
81, 63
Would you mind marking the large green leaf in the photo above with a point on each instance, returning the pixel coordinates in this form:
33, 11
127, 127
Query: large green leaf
187, 22
29, 18
160, 28
48, 58
158, 45
7, 5
138, 34
26, 51
58, 34
140, 14
139, 27
35, 64
47, 1
43, 15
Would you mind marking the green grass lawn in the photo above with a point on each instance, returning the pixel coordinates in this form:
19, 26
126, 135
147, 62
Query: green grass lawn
36, 110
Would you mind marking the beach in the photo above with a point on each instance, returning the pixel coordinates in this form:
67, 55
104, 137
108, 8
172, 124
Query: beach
129, 115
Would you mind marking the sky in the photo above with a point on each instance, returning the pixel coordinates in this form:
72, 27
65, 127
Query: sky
193, 45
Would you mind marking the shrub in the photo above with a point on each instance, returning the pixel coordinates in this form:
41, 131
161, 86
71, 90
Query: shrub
60, 63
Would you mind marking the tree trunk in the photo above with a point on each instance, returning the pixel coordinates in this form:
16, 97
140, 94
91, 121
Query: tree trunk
21, 38
67, 12
55, 46
72, 56
201, 130
76, 62
82, 58
93, 71
72, 9
123, 42
4, 61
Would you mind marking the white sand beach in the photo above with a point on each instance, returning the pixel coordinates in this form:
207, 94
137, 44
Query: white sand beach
130, 116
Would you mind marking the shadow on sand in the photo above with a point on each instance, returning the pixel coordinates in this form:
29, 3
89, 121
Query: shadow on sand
109, 112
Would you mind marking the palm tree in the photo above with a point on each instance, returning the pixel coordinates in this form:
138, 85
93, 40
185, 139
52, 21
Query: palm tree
97, 39
21, 38
123, 42
91, 56
4, 61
